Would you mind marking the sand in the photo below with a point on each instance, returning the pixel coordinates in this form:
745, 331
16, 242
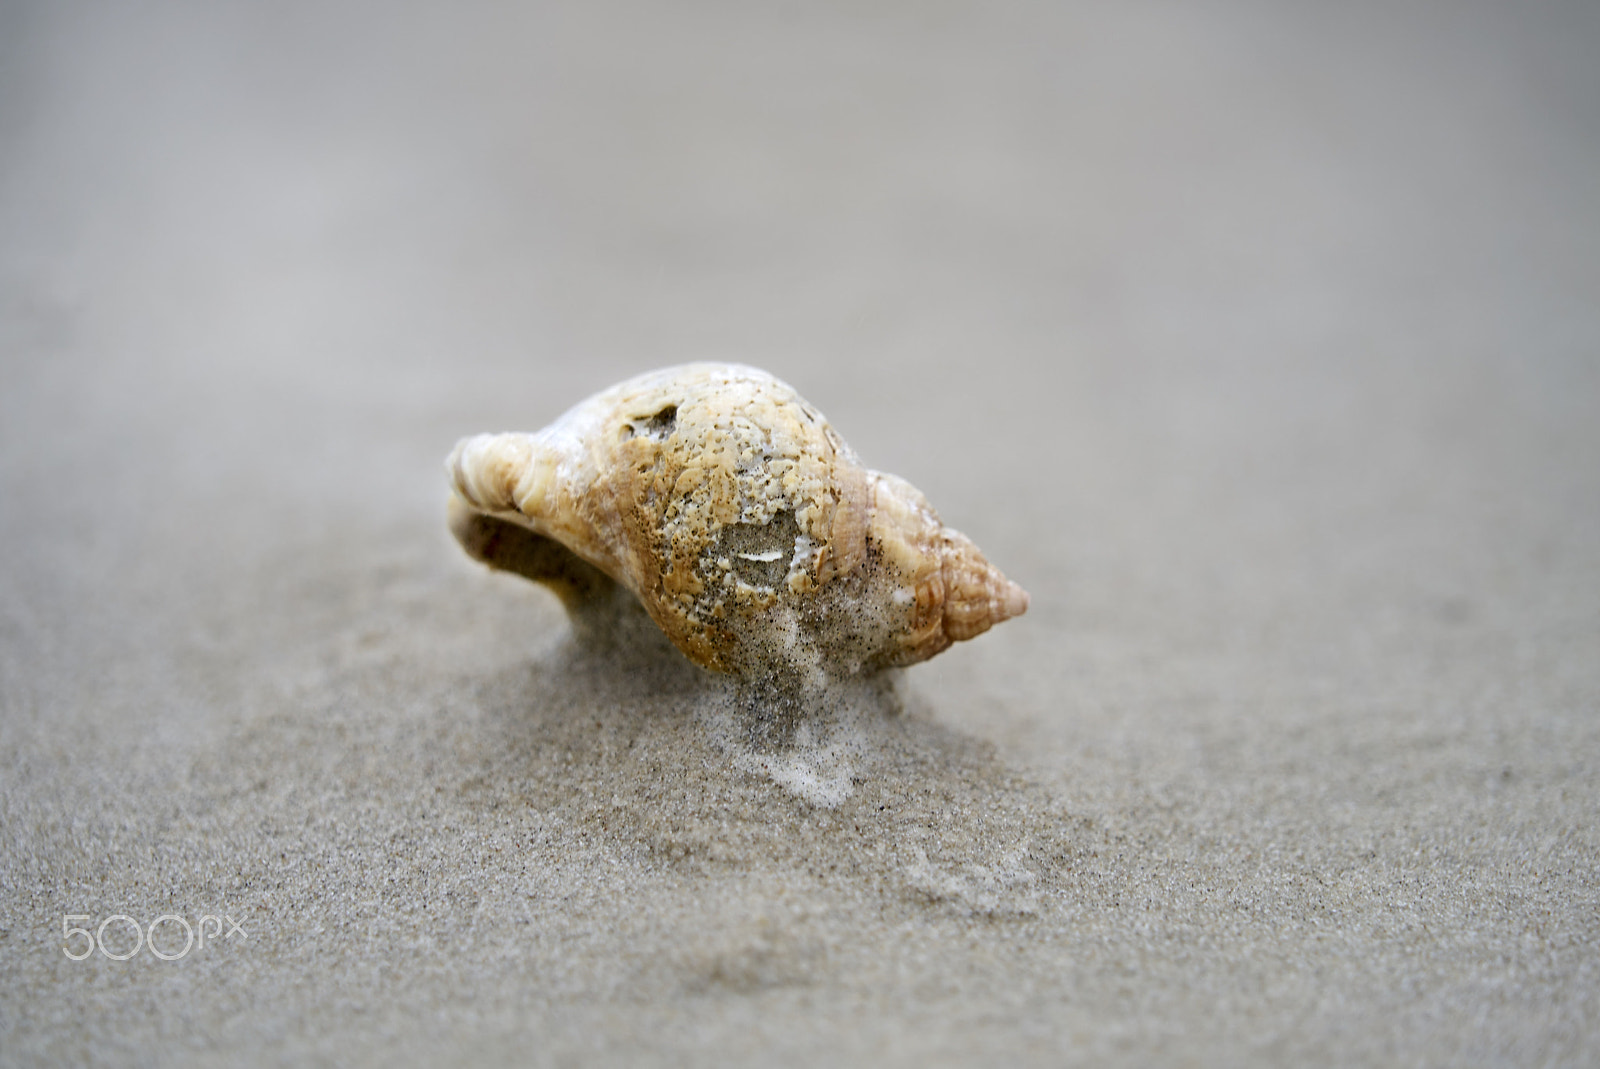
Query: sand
1257, 341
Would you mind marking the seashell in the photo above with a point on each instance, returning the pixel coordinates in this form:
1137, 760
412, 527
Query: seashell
740, 520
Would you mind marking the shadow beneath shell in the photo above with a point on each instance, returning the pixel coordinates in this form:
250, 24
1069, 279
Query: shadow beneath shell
630, 741
810, 735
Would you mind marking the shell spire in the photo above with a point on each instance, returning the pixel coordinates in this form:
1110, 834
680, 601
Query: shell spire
740, 520
956, 593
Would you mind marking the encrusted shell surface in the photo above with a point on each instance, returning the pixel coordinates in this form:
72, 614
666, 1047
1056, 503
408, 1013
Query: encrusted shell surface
742, 522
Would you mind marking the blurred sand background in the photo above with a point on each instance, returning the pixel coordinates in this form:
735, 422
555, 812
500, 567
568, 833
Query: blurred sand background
1259, 341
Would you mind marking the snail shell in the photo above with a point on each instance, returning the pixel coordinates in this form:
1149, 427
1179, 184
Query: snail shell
742, 522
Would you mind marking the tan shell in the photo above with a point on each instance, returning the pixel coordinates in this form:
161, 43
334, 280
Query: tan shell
738, 517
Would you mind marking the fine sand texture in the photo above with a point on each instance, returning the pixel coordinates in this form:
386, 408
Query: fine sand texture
1258, 341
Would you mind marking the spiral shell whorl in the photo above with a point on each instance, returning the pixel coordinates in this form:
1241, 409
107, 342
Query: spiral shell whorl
951, 591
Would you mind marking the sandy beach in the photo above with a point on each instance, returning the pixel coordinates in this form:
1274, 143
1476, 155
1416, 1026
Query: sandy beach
1259, 342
